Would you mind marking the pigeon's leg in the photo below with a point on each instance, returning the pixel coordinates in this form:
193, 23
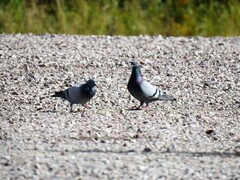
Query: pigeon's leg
71, 109
145, 107
140, 106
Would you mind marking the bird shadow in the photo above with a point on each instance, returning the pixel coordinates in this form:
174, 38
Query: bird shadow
133, 109
55, 111
48, 111
173, 153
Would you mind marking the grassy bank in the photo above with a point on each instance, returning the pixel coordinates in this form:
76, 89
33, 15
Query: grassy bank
124, 17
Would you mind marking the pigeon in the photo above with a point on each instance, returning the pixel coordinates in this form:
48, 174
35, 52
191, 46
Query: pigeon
144, 91
78, 94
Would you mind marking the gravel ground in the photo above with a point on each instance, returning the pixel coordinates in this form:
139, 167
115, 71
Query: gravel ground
196, 137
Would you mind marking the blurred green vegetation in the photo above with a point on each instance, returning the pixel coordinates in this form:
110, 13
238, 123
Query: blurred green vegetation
121, 17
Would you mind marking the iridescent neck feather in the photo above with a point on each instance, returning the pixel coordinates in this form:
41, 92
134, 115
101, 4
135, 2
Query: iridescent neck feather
137, 75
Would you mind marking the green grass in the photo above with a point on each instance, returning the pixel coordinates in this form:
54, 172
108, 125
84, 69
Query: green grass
122, 17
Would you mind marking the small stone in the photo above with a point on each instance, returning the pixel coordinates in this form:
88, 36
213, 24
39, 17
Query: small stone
147, 149
209, 131
102, 141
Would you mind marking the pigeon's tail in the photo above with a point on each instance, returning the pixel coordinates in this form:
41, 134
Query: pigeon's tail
59, 94
165, 97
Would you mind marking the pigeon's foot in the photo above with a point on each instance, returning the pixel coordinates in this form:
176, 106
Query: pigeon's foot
140, 107
135, 108
87, 106
143, 107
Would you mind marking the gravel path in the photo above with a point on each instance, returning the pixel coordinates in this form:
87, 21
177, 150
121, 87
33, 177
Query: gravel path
196, 137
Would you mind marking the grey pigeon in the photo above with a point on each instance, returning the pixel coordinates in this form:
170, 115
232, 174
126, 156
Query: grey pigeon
143, 90
78, 94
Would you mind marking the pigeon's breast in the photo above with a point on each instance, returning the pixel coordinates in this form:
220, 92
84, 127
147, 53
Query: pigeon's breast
134, 87
88, 92
139, 79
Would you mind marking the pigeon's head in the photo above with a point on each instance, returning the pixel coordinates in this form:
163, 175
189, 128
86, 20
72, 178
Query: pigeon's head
136, 69
134, 64
91, 83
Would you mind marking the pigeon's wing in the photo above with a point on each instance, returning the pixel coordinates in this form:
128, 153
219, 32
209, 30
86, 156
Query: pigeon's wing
150, 91
77, 85
73, 94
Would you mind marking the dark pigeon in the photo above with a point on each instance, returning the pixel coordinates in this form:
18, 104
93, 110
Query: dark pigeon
78, 94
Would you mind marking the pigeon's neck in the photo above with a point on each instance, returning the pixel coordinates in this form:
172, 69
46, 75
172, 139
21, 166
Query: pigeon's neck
88, 91
137, 75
